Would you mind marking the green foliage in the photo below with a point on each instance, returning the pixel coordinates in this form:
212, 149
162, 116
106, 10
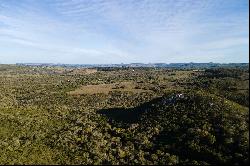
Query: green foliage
41, 123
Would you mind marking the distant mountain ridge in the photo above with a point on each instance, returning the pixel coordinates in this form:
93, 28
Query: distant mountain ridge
157, 65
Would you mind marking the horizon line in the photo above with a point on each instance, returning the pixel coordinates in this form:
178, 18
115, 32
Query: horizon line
122, 63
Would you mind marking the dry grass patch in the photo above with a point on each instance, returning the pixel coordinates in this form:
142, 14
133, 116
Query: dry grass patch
83, 71
106, 88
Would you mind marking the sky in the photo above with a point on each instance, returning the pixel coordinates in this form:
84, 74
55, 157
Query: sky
124, 31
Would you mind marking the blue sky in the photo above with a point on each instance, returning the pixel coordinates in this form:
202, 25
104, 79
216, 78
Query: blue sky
124, 31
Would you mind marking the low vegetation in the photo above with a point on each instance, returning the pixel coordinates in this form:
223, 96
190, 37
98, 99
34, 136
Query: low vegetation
56, 115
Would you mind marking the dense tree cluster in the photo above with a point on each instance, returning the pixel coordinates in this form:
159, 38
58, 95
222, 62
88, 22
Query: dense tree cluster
232, 84
179, 117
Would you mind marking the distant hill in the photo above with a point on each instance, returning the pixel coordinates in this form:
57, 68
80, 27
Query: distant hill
157, 65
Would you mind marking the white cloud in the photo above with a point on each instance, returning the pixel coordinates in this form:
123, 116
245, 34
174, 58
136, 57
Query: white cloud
226, 43
127, 31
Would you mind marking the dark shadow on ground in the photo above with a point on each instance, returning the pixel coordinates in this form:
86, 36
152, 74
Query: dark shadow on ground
128, 115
